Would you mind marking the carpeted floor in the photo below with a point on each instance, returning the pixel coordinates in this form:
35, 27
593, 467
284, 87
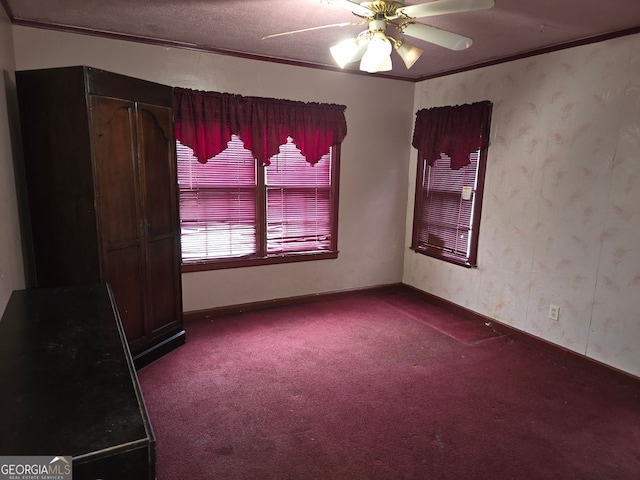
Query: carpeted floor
382, 387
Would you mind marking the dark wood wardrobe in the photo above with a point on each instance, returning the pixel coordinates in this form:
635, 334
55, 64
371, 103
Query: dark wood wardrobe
100, 170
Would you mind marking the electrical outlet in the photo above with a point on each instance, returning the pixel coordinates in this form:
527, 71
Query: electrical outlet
554, 312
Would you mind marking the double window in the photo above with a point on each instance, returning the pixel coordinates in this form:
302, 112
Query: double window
234, 211
258, 179
452, 143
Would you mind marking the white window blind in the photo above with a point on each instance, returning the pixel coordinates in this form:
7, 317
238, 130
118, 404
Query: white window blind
231, 208
217, 203
298, 202
448, 198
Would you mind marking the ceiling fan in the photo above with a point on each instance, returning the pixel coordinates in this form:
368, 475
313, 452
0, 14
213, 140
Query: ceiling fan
373, 46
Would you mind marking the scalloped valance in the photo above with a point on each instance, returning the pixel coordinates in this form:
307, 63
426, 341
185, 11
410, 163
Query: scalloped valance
205, 121
456, 131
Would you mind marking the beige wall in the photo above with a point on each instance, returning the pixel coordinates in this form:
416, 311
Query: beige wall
11, 270
374, 160
561, 214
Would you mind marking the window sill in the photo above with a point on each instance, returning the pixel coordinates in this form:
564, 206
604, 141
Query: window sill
252, 262
444, 256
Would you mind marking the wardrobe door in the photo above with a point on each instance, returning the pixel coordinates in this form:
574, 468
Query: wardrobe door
156, 147
119, 216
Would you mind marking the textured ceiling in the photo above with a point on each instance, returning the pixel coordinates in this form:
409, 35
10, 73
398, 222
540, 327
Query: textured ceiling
511, 28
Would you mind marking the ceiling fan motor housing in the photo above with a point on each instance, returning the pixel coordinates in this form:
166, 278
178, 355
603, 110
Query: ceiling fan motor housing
383, 8
377, 26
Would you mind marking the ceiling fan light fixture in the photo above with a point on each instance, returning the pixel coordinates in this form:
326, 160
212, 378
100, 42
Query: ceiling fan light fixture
377, 58
374, 66
409, 53
349, 50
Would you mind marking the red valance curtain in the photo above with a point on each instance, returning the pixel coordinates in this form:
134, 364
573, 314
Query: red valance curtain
205, 121
456, 131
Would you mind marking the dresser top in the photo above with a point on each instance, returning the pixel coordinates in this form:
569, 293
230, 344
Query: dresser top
68, 383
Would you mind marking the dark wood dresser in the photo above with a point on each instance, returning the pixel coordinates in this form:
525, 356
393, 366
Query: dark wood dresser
69, 386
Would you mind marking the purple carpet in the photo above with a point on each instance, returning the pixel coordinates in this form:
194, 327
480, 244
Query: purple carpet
382, 387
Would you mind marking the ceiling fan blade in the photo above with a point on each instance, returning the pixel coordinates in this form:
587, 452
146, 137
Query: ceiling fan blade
354, 7
343, 24
445, 39
441, 7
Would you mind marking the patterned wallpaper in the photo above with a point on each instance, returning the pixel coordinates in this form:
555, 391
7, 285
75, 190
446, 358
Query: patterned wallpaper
561, 214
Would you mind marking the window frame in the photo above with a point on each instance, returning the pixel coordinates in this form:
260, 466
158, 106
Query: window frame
261, 257
471, 261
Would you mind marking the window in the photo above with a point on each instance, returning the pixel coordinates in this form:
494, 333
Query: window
452, 143
298, 203
234, 211
258, 178
217, 204
445, 210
